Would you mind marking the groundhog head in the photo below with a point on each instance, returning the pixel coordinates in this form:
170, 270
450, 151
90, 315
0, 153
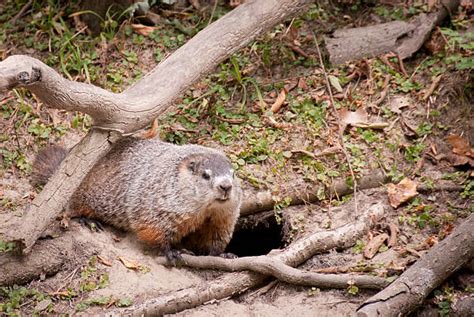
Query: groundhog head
213, 176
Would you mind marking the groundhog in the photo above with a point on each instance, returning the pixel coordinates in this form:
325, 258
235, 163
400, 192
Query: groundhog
170, 196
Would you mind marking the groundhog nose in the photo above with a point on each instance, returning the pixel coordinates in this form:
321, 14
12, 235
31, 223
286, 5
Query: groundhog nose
225, 187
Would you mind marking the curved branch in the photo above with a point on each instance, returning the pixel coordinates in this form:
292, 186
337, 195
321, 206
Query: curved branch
269, 266
154, 94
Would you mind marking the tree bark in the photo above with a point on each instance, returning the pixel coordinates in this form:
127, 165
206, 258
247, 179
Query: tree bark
135, 107
415, 284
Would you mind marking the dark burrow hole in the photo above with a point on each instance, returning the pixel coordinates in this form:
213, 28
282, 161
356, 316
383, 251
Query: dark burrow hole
256, 235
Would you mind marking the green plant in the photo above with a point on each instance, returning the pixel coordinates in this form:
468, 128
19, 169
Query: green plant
413, 152
13, 297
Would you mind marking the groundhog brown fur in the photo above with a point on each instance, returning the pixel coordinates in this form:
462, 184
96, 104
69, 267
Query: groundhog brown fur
170, 196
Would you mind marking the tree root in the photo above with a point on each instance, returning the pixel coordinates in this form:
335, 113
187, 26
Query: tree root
49, 256
267, 265
412, 287
234, 283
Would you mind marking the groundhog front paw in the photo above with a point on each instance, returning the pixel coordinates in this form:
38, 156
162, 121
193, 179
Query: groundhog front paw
228, 255
92, 224
186, 251
173, 257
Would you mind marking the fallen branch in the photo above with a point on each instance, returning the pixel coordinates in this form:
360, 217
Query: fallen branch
124, 113
412, 287
269, 266
402, 38
234, 283
263, 201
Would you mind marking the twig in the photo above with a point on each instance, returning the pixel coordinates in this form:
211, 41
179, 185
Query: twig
384, 92
400, 64
213, 11
433, 86
21, 12
264, 200
336, 113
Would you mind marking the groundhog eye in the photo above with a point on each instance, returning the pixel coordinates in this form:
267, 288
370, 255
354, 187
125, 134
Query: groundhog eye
206, 175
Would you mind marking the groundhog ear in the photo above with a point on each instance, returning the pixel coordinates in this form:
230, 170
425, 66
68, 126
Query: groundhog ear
193, 166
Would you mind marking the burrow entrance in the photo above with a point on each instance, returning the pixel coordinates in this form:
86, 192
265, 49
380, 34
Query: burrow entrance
256, 235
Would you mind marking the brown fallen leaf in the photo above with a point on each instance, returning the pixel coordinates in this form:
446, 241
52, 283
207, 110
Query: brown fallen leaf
129, 264
392, 241
431, 241
290, 85
279, 101
462, 153
104, 260
460, 145
397, 103
152, 132
374, 245
354, 117
143, 29
235, 3
302, 84
402, 192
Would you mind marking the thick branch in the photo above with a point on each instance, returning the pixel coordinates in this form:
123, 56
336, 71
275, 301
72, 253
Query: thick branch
234, 283
263, 201
53, 198
412, 287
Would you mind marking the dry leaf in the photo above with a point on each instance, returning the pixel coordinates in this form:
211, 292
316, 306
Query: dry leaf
104, 260
279, 101
402, 192
399, 102
291, 85
462, 152
335, 83
431, 241
302, 84
374, 245
129, 264
143, 29
353, 118
236, 3
392, 241
460, 145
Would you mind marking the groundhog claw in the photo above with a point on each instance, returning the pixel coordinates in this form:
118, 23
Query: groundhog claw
174, 257
92, 224
228, 255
